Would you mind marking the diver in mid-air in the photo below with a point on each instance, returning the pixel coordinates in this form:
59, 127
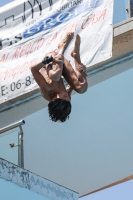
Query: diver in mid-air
48, 76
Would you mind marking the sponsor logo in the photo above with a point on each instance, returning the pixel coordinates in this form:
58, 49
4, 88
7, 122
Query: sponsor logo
62, 17
64, 13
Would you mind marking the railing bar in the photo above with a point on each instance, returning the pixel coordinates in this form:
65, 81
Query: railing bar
11, 126
21, 146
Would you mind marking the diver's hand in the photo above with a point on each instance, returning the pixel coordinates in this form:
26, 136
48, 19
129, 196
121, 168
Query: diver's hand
58, 59
82, 69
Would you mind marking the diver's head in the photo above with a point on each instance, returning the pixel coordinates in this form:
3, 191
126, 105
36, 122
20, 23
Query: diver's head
59, 110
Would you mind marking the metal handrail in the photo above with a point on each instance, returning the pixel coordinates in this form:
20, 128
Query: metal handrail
20, 140
11, 126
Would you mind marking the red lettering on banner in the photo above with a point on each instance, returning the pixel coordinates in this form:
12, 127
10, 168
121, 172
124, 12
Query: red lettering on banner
52, 39
22, 51
71, 28
23, 67
14, 72
94, 19
28, 49
16, 54
84, 24
40, 43
11, 73
33, 62
102, 15
2, 74
4, 58
33, 49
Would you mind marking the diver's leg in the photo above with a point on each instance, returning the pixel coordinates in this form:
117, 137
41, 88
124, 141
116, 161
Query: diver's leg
76, 79
62, 46
80, 69
55, 72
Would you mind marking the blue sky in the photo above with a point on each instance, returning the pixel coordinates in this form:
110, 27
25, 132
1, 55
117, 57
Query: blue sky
4, 2
123, 191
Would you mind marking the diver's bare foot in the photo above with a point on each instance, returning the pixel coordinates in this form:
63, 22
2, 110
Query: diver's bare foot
62, 46
76, 50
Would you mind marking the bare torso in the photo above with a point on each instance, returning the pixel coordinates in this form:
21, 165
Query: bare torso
52, 88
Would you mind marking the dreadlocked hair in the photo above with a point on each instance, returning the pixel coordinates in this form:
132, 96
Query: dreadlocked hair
59, 110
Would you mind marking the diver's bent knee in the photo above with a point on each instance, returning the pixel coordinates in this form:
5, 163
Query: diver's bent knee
82, 89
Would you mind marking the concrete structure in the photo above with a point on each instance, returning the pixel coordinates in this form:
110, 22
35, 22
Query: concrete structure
30, 181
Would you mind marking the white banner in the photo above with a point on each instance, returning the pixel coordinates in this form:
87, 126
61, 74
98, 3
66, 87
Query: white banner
30, 29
